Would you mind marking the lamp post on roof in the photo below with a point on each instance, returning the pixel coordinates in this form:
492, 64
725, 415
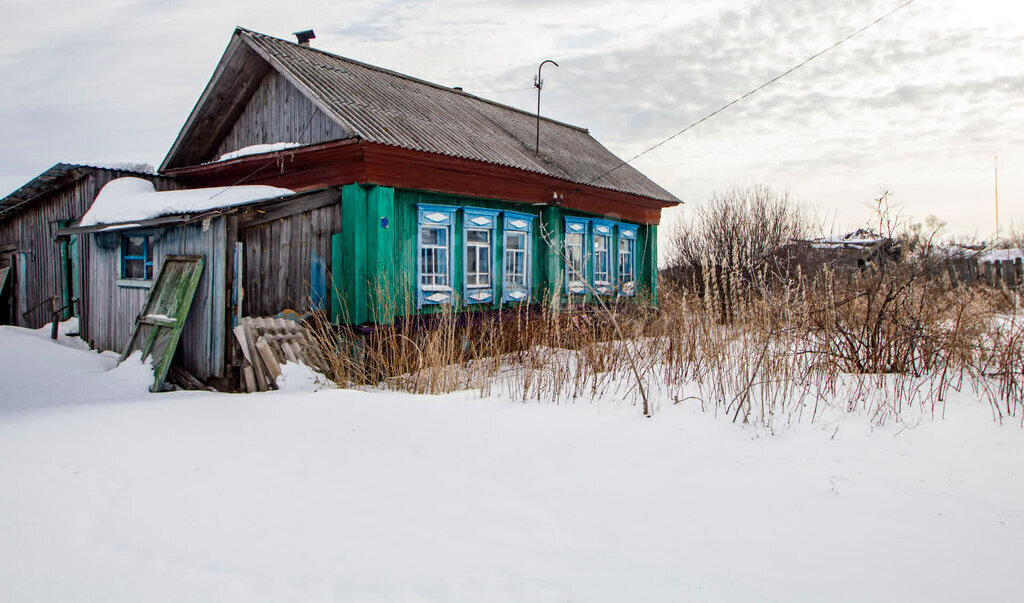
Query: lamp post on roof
539, 83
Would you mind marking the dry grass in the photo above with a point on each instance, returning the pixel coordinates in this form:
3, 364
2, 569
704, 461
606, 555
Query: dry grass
881, 344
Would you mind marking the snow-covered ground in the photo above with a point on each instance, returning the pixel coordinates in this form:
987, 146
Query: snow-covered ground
109, 493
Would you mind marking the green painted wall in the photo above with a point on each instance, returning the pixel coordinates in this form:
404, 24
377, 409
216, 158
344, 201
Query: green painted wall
376, 253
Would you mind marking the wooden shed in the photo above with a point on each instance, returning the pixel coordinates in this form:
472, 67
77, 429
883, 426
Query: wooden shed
261, 257
38, 273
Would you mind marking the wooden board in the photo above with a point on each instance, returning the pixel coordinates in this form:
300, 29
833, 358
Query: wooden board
158, 327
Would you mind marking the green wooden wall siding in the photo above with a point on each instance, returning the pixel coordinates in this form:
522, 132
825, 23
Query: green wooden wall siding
374, 256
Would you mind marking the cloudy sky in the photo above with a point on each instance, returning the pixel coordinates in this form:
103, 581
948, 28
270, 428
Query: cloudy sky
919, 105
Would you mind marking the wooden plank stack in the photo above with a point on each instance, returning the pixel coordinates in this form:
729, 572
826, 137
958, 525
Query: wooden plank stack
267, 343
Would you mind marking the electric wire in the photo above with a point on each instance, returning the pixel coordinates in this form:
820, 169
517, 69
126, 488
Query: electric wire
755, 90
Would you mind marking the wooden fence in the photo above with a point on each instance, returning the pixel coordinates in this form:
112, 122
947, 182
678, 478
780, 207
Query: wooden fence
969, 271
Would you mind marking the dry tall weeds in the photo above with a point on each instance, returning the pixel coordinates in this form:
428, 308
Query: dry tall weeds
882, 343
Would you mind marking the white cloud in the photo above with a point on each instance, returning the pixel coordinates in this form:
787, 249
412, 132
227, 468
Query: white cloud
919, 104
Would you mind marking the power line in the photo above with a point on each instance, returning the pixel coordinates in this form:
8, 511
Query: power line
758, 89
501, 91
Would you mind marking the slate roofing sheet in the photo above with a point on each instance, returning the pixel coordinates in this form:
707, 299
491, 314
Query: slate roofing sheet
386, 107
57, 176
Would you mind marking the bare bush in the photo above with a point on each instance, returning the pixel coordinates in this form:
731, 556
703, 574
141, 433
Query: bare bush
742, 232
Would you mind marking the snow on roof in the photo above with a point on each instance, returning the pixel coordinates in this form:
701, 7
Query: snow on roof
258, 149
993, 255
122, 166
134, 199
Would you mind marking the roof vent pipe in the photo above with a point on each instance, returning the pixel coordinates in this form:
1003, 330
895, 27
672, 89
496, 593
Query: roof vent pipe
304, 36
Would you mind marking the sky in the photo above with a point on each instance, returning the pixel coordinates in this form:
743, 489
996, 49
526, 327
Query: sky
919, 105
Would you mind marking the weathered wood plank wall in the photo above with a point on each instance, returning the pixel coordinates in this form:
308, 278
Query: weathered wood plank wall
278, 259
278, 112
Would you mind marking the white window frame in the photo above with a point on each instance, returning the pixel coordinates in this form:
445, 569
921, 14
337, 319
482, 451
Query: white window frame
602, 242
519, 225
434, 287
576, 227
627, 278
475, 219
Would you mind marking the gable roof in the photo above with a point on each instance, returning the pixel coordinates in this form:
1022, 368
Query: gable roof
386, 107
58, 176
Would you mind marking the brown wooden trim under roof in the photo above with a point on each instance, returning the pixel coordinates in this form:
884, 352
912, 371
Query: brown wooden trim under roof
352, 160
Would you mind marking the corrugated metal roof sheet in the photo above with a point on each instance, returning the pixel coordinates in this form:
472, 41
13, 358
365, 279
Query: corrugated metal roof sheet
386, 107
57, 176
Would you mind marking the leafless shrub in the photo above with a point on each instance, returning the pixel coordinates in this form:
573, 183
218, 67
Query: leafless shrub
740, 233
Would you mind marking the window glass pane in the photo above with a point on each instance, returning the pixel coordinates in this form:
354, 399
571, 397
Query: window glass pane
515, 240
478, 236
134, 269
430, 236
134, 246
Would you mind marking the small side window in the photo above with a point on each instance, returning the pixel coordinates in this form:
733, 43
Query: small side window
136, 257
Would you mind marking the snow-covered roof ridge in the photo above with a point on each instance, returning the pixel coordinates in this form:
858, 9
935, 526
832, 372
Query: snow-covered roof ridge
258, 149
133, 199
138, 167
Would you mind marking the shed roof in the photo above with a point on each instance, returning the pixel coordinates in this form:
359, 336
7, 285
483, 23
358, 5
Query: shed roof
386, 107
58, 176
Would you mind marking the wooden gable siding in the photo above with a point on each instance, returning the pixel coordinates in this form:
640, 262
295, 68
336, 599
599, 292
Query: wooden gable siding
31, 230
279, 256
112, 308
278, 112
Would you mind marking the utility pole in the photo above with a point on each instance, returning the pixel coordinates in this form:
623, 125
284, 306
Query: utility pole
995, 166
539, 83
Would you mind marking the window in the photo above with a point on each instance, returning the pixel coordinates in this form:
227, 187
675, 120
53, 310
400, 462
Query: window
575, 261
602, 257
478, 227
478, 258
433, 257
136, 257
434, 247
516, 283
627, 259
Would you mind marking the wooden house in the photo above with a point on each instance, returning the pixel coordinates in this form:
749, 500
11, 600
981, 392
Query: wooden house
41, 280
405, 195
435, 182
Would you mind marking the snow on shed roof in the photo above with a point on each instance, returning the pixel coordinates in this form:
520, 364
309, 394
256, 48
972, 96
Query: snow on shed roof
134, 199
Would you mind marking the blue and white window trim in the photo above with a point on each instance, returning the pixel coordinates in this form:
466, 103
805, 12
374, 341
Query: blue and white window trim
518, 257
575, 255
627, 259
434, 254
604, 234
478, 228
